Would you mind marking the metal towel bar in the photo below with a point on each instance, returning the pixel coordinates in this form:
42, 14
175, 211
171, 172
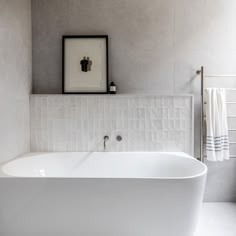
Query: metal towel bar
201, 73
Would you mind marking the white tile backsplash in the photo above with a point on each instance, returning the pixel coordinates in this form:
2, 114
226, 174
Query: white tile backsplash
79, 123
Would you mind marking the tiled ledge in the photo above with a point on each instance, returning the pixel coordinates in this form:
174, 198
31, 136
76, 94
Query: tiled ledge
115, 95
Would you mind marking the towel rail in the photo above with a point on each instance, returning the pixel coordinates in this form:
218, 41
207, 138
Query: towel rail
226, 103
215, 76
229, 116
230, 156
201, 73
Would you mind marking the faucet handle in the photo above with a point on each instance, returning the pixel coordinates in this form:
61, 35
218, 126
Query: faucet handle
118, 138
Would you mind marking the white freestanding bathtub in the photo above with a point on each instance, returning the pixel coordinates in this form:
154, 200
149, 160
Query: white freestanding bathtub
101, 194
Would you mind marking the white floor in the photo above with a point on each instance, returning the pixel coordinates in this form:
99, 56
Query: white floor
217, 219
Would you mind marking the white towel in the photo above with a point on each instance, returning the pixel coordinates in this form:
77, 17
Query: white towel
217, 138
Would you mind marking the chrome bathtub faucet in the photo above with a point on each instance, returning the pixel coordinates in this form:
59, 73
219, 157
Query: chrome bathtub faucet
105, 139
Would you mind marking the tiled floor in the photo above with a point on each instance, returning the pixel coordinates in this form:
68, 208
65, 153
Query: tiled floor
217, 219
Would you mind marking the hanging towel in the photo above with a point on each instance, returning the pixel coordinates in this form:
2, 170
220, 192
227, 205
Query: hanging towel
217, 138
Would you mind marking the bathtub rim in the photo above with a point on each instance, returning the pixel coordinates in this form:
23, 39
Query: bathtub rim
32, 154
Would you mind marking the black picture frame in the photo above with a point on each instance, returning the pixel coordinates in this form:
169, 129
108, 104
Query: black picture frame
64, 38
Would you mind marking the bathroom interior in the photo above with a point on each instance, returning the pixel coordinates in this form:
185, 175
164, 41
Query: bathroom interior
118, 117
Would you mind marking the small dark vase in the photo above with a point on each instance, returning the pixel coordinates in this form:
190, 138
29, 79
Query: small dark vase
112, 88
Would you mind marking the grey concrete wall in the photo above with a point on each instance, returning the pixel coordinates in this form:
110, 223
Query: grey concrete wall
155, 46
15, 77
221, 181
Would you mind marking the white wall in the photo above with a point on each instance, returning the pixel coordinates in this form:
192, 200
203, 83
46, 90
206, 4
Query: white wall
155, 46
15, 77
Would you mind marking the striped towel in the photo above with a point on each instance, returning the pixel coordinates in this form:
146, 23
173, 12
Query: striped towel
217, 138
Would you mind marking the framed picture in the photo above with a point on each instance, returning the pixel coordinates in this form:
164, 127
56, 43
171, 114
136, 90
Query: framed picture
85, 64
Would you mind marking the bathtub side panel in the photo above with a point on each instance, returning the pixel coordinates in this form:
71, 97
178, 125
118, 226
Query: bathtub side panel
98, 207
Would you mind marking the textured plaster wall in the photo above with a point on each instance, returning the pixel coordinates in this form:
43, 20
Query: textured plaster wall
155, 46
15, 77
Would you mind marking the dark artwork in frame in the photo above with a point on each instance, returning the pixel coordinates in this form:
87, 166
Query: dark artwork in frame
85, 64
